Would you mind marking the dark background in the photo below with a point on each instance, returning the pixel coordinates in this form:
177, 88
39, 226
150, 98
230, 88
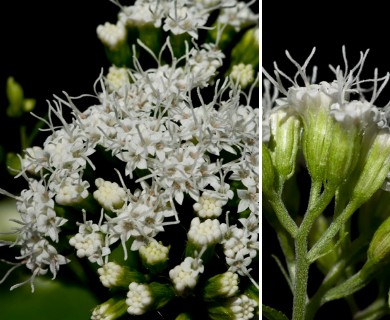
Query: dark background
48, 47
298, 26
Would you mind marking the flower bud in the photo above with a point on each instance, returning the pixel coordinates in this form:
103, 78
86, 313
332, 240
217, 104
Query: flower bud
373, 167
142, 298
379, 248
284, 141
114, 39
17, 103
114, 275
13, 163
342, 154
316, 141
224, 285
154, 256
15, 97
246, 50
112, 309
241, 307
184, 316
268, 171
243, 74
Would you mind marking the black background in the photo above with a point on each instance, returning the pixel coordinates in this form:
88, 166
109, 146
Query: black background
298, 26
48, 47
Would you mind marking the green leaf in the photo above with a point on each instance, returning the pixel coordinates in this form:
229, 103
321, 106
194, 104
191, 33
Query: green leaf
273, 314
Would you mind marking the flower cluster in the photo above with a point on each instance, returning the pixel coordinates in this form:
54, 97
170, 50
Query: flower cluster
340, 141
156, 184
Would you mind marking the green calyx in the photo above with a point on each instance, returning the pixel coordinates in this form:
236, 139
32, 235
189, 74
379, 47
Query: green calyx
284, 142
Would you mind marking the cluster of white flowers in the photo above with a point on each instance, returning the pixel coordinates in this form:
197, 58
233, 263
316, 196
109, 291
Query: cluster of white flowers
138, 299
171, 147
185, 275
182, 16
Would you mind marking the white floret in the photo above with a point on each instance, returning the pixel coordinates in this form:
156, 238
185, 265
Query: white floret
206, 233
138, 299
109, 274
109, 194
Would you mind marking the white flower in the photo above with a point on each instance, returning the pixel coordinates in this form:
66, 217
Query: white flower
155, 252
90, 242
237, 15
109, 274
209, 205
71, 190
117, 78
206, 233
185, 275
243, 307
229, 284
249, 199
35, 159
100, 313
111, 309
222, 285
240, 247
243, 74
142, 13
139, 298
109, 194
112, 35
182, 19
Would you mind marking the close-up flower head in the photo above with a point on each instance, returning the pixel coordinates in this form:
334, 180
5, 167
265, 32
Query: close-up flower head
146, 191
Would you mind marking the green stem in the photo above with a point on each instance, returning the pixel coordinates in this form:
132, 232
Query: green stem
301, 275
316, 206
23, 138
326, 238
285, 240
376, 310
356, 251
282, 214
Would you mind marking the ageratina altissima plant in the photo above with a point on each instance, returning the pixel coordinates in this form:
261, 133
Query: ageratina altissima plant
333, 135
152, 191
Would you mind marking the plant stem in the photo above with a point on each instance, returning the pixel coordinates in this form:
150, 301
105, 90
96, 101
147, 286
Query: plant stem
316, 206
355, 252
283, 216
334, 227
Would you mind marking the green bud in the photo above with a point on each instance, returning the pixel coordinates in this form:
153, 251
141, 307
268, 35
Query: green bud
220, 313
13, 163
342, 154
121, 56
372, 168
113, 275
183, 316
268, 171
154, 256
222, 285
15, 97
17, 104
151, 37
284, 141
29, 105
246, 50
112, 309
161, 293
233, 308
379, 248
252, 292
316, 141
